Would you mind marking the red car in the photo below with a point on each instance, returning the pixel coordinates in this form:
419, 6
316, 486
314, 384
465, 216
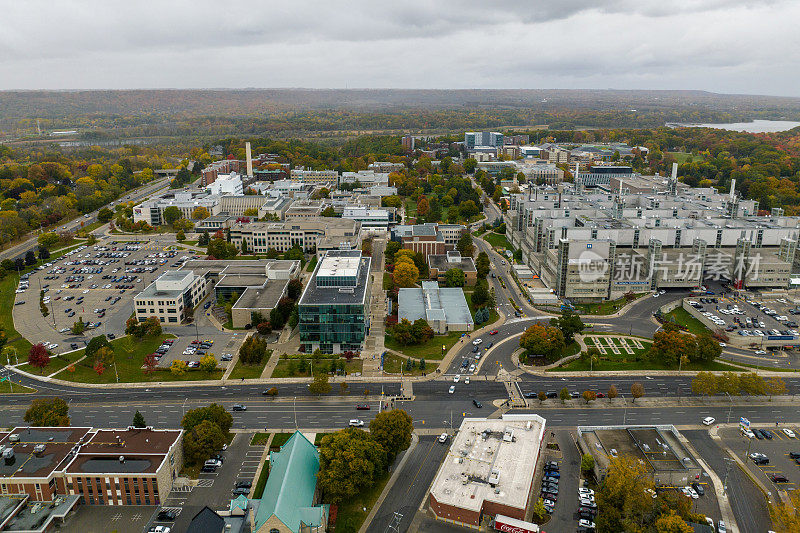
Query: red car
494, 332
362, 407
601, 395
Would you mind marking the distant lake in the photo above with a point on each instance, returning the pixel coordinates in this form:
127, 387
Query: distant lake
757, 126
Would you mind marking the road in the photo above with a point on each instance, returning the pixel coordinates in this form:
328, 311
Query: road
76, 224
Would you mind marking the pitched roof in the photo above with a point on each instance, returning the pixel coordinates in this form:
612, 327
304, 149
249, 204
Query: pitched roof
289, 493
206, 521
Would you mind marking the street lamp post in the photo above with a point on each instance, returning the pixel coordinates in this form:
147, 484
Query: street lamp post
729, 408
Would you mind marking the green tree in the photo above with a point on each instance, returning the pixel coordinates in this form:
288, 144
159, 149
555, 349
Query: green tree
483, 265
569, 323
95, 344
320, 385
48, 240
138, 420
214, 413
480, 296
204, 239
328, 212
392, 430
465, 245
454, 277
470, 164
221, 249
752, 384
564, 394
171, 214
728, 382
201, 441
105, 214
539, 511
707, 349
351, 461
44, 412
180, 236
253, 350
587, 463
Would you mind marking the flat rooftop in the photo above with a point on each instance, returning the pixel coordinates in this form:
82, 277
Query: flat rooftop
490, 460
657, 447
242, 280
339, 265
315, 295
58, 442
266, 297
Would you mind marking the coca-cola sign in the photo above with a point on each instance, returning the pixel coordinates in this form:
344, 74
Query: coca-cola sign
508, 528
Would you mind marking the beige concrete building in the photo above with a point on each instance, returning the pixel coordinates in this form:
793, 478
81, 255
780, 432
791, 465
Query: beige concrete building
305, 233
170, 297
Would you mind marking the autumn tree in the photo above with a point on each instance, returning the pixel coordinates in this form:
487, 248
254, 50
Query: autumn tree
589, 395
423, 206
44, 412
776, 387
547, 341
622, 496
612, 392
201, 441
320, 385
38, 356
208, 364
704, 384
637, 390
405, 274
200, 213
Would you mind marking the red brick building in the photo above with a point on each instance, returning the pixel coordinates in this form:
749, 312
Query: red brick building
489, 470
101, 467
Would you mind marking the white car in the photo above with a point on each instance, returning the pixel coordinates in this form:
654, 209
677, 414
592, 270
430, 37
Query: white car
585, 492
452, 389
789, 433
723, 345
707, 421
477, 341
456, 378
760, 352
86, 291
692, 493
356, 423
721, 527
685, 491
443, 438
747, 433
466, 380
586, 523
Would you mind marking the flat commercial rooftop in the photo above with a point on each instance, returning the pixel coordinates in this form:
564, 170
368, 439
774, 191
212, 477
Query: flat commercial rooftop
58, 442
490, 460
315, 295
432, 302
262, 298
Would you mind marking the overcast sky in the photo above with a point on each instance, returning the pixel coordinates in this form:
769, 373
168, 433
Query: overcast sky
727, 46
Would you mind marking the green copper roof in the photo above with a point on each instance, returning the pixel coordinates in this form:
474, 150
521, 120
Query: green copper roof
289, 493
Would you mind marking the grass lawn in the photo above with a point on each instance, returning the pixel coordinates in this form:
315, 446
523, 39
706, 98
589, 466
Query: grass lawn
681, 157
129, 357
15, 388
312, 264
262, 481
497, 240
242, 370
56, 363
626, 361
351, 514
605, 308
428, 350
279, 440
682, 317
287, 368
259, 439
388, 281
392, 363
188, 243
411, 208
318, 438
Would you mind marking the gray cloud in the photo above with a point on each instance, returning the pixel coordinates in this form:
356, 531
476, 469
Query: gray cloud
718, 45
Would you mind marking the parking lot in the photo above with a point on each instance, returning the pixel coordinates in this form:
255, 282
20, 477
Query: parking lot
776, 450
192, 348
750, 321
94, 283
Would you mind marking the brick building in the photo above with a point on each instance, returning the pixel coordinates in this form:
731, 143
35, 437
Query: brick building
489, 470
100, 466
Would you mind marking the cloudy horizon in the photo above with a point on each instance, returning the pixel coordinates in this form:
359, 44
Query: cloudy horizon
721, 46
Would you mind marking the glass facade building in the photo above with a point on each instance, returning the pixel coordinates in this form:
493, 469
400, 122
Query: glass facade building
334, 309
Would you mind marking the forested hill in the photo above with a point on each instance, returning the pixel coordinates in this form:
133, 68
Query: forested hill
219, 112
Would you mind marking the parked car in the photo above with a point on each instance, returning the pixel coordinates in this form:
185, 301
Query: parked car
477, 404
356, 423
707, 421
167, 515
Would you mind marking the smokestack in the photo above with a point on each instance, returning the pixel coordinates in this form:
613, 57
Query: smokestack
674, 171
733, 188
249, 160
